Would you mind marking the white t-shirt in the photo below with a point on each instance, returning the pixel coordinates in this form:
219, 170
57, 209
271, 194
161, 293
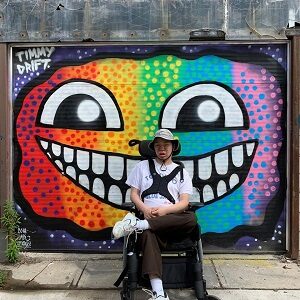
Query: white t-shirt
141, 179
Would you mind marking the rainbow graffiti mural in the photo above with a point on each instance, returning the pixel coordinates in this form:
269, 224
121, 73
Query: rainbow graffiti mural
79, 109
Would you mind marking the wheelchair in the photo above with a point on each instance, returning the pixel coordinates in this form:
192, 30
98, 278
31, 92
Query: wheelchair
182, 258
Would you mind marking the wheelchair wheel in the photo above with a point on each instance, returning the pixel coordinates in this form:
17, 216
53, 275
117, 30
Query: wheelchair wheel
127, 293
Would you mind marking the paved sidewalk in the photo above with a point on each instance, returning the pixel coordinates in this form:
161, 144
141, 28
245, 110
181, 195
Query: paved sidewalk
91, 276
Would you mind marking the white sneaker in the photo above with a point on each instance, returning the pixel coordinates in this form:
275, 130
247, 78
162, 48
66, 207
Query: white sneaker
155, 297
125, 226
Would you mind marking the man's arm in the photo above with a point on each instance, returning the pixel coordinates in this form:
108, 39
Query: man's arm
140, 205
178, 207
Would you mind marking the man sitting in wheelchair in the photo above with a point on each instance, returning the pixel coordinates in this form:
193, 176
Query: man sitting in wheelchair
160, 190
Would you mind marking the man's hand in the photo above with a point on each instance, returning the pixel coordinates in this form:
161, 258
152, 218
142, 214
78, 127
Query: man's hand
178, 207
147, 211
159, 211
153, 212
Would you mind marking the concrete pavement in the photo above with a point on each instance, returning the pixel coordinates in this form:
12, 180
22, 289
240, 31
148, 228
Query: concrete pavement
90, 276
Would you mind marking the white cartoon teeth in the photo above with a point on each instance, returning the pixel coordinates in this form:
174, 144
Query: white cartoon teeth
59, 164
233, 180
68, 154
71, 172
115, 167
195, 196
189, 166
56, 149
130, 165
250, 148
98, 163
221, 162
83, 160
115, 195
84, 181
127, 197
44, 144
208, 193
98, 187
221, 188
215, 175
204, 168
237, 155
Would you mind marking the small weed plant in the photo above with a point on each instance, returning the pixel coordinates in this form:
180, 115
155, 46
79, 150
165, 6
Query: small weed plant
11, 220
3, 278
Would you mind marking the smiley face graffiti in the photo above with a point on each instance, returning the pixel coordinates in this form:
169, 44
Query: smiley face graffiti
75, 125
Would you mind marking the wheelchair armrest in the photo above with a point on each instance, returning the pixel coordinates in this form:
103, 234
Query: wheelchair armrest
193, 206
129, 206
132, 208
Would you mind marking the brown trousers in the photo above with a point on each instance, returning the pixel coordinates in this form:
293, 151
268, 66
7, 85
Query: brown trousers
161, 231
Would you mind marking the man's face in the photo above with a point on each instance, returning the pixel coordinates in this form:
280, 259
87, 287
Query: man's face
163, 148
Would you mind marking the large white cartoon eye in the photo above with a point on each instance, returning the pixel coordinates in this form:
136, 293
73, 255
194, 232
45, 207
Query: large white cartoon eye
204, 106
81, 105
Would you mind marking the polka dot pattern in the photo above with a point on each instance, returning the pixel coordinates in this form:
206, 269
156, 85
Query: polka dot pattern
263, 99
262, 96
140, 89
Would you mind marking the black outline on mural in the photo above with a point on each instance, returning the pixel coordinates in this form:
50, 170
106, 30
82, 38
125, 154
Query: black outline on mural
226, 239
80, 80
227, 88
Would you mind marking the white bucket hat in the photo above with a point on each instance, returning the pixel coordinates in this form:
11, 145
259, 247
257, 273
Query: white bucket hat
166, 135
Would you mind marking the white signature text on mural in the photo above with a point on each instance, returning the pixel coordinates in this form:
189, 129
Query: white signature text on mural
31, 59
24, 238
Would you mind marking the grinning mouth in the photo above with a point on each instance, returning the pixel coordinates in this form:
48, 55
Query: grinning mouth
103, 175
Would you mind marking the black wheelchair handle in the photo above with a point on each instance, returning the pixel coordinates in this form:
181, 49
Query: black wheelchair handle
193, 206
128, 206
